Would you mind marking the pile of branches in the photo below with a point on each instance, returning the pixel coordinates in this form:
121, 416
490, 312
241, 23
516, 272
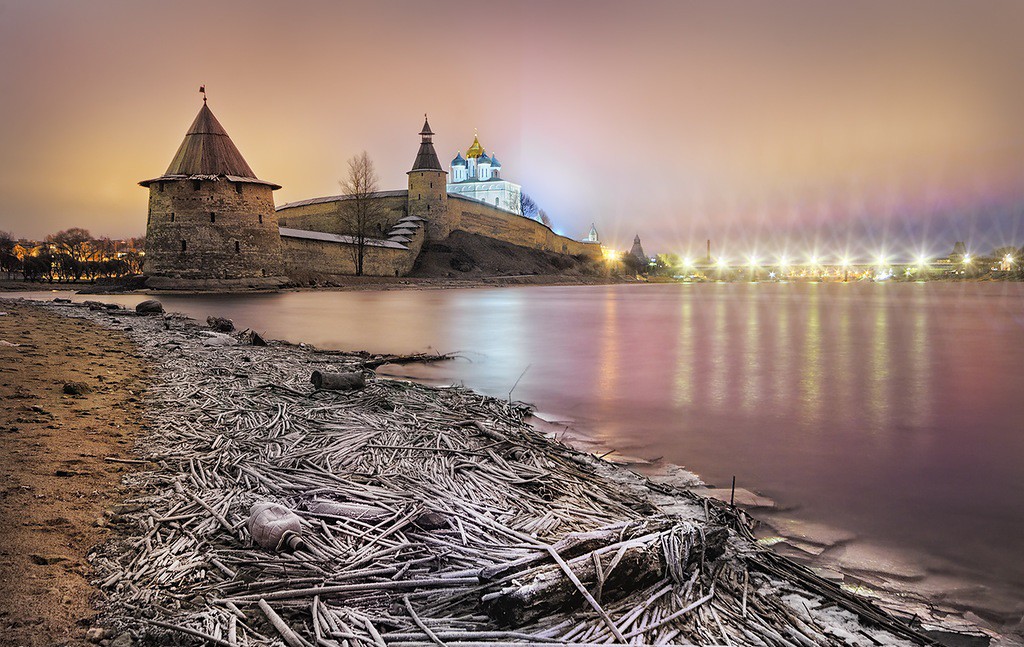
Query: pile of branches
429, 516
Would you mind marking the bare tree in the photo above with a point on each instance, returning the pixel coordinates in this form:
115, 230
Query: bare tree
361, 211
76, 245
543, 217
527, 206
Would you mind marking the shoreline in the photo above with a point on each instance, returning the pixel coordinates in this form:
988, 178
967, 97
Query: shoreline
386, 283
632, 483
336, 284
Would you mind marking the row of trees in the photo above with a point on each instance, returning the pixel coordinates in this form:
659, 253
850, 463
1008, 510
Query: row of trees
70, 255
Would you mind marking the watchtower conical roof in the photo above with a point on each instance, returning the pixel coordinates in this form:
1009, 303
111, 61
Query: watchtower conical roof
208, 151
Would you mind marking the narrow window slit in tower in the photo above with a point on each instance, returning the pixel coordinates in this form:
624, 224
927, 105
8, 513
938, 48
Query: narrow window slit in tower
213, 217
184, 246
238, 247
261, 218
196, 184
238, 188
172, 216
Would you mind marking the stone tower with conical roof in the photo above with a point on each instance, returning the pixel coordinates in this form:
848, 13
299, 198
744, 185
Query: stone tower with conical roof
428, 195
211, 221
638, 250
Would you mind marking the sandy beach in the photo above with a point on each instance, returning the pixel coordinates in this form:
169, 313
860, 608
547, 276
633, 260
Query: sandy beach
60, 456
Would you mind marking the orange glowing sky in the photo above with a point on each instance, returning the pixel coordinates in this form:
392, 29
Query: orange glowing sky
752, 123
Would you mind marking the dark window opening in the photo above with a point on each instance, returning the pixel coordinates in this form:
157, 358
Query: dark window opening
238, 247
196, 185
261, 218
238, 188
172, 216
428, 208
161, 187
418, 196
213, 217
184, 246
431, 185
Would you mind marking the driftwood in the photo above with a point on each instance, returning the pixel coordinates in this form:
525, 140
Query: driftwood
416, 358
420, 508
357, 511
337, 381
610, 573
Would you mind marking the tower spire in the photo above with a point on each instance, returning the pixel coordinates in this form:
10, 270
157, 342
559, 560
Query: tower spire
426, 157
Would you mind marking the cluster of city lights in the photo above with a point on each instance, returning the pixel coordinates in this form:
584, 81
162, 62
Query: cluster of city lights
782, 262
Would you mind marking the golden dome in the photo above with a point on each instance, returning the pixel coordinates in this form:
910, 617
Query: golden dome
476, 150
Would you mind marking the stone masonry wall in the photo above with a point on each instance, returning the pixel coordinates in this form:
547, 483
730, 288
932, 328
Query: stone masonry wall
329, 216
483, 219
428, 199
207, 229
306, 259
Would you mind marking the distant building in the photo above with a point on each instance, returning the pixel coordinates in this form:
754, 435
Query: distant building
592, 237
959, 252
637, 250
478, 176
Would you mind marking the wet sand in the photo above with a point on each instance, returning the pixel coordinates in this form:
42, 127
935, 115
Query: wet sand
60, 488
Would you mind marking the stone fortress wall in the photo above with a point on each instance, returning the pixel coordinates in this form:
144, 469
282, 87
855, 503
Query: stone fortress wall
461, 214
212, 223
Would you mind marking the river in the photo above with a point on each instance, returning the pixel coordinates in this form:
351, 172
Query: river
892, 412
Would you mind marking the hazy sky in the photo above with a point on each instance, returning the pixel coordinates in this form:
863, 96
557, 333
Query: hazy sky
758, 124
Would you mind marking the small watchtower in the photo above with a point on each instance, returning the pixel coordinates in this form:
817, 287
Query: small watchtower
428, 192
211, 221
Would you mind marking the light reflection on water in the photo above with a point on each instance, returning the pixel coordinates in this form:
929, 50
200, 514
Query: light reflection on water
893, 410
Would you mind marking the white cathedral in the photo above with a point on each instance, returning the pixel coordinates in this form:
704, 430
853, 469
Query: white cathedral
478, 176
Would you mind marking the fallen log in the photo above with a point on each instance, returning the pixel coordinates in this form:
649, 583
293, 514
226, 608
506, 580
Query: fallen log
609, 573
337, 381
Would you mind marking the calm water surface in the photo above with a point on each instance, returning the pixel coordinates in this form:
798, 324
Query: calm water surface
895, 411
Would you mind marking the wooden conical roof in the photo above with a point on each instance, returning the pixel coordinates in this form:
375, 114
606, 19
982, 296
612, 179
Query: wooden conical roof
208, 151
